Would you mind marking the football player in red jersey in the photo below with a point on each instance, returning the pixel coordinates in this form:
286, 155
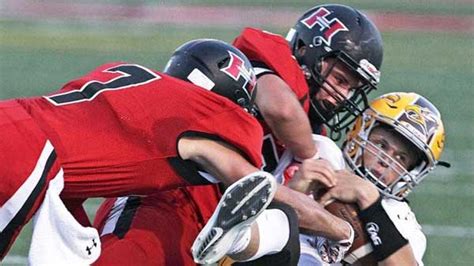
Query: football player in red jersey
128, 225
338, 53
331, 63
125, 129
339, 67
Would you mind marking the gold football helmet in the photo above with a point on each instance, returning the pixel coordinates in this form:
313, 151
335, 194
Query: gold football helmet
418, 122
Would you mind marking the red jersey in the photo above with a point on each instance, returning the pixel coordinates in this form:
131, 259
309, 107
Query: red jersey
274, 52
28, 163
141, 241
115, 130
192, 212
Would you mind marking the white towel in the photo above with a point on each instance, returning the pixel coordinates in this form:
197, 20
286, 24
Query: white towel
58, 239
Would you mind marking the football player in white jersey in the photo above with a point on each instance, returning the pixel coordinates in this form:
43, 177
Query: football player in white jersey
394, 144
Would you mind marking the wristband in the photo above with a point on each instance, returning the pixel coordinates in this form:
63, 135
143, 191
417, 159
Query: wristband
381, 231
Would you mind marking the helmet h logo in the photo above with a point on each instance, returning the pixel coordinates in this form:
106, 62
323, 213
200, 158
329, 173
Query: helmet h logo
236, 69
328, 28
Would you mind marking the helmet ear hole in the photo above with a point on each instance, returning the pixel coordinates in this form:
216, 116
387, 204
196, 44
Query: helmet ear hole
300, 44
301, 50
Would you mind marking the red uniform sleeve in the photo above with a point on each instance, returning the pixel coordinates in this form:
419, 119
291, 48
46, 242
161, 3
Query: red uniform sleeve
274, 51
116, 129
246, 135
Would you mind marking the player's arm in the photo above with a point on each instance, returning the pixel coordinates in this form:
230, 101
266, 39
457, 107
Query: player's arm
351, 188
403, 256
312, 217
228, 165
389, 246
217, 158
283, 113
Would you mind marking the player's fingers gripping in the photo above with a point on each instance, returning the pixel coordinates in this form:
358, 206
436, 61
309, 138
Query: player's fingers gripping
313, 173
321, 171
348, 189
327, 197
299, 183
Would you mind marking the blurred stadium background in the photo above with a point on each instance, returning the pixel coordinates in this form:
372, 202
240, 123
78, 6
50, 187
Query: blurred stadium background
429, 48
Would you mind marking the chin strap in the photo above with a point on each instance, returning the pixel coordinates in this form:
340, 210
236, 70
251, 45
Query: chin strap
444, 164
335, 135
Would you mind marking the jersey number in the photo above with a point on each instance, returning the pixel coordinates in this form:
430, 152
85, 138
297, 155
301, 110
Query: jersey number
130, 76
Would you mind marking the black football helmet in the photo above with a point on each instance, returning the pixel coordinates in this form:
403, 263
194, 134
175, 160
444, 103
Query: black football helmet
216, 66
348, 36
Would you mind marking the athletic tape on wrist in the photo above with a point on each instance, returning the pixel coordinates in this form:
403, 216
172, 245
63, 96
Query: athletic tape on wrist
381, 231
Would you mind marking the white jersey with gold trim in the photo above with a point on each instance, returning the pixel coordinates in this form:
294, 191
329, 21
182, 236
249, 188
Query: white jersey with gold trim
399, 211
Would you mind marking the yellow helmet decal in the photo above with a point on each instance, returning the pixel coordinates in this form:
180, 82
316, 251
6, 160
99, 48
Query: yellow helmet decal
437, 142
421, 121
392, 105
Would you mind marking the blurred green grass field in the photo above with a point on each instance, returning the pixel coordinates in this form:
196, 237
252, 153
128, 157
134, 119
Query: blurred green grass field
37, 58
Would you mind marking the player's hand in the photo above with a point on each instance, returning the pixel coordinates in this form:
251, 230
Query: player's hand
351, 188
311, 173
